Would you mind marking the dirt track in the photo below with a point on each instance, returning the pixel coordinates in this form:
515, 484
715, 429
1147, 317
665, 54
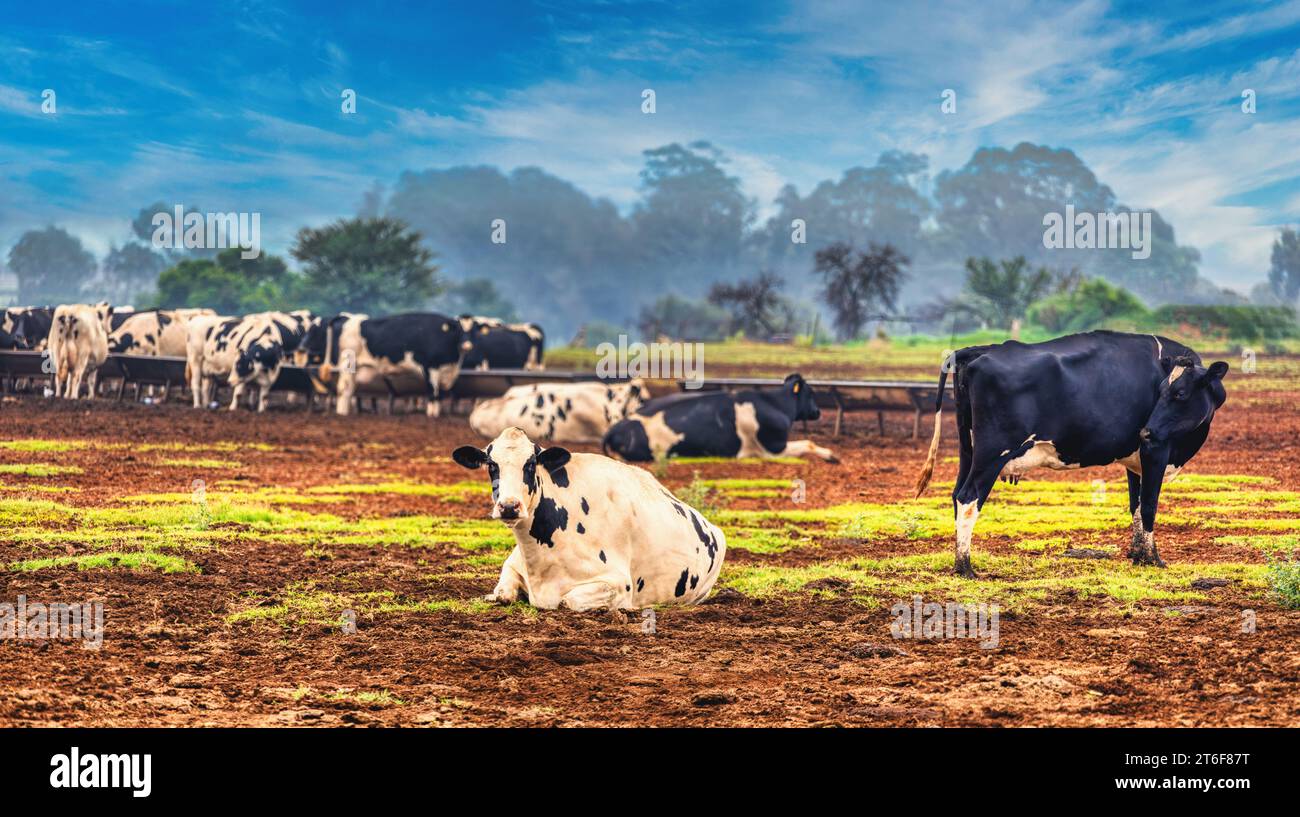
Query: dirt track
171, 657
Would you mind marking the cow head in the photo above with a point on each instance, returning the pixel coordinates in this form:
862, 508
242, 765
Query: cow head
512, 461
311, 349
1190, 396
475, 327
29, 329
262, 356
805, 407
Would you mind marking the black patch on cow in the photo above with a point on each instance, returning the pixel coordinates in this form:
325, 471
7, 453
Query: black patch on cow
628, 588
640, 584
581, 529
602, 553
530, 475
547, 519
525, 411
680, 590
585, 507
560, 477
541, 401
559, 412
706, 539
568, 404
694, 581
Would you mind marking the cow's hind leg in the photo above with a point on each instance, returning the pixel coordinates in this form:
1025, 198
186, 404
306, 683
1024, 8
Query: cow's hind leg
968, 500
594, 595
798, 448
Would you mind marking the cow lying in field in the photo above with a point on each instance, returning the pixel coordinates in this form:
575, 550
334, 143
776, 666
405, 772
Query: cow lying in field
719, 424
355, 350
495, 344
1098, 398
78, 346
559, 412
591, 532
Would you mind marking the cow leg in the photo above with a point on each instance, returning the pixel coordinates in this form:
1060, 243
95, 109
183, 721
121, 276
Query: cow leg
511, 586
1143, 551
1134, 504
343, 394
797, 448
968, 500
433, 408
236, 392
595, 595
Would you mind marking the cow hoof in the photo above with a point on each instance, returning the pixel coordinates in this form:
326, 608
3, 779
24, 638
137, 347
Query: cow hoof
962, 568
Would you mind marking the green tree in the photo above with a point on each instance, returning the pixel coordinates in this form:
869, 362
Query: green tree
51, 266
855, 283
1001, 293
1089, 304
230, 284
373, 265
130, 272
1284, 268
756, 306
682, 319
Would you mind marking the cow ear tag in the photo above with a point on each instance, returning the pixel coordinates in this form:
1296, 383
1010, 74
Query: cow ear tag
796, 388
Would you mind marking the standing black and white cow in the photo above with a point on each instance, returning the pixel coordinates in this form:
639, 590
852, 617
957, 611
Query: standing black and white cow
560, 412
495, 344
29, 326
749, 423
152, 332
1098, 398
247, 350
591, 532
354, 350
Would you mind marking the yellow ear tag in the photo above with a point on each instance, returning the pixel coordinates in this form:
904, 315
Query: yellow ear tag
796, 388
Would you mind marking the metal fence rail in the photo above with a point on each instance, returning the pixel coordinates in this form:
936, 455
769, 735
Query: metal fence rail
843, 396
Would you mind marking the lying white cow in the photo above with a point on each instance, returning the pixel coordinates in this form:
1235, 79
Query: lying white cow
592, 532
559, 412
78, 346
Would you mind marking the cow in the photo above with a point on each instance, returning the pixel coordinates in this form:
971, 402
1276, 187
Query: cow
559, 412
78, 346
591, 532
153, 332
495, 344
244, 350
29, 326
355, 350
748, 423
1098, 398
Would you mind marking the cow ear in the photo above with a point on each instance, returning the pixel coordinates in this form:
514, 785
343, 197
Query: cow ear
553, 458
1217, 370
467, 456
1166, 364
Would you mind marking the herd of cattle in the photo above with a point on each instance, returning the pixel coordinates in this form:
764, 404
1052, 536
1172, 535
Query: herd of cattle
1099, 398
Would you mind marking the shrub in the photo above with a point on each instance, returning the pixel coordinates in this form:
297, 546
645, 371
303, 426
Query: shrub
1284, 580
1237, 322
1090, 304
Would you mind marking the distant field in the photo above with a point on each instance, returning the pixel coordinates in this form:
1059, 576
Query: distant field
918, 357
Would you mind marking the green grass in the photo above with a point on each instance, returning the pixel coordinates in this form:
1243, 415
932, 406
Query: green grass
199, 462
38, 469
306, 603
105, 561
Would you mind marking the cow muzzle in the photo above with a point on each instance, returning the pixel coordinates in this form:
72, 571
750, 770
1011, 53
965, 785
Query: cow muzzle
510, 510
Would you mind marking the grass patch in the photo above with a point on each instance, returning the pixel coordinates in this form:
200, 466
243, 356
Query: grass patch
199, 462
38, 469
306, 603
107, 561
1283, 577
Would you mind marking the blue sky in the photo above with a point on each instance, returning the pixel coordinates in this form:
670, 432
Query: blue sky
236, 105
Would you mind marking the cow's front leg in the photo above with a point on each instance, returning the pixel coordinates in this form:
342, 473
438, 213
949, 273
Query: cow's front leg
594, 595
237, 391
1143, 550
797, 448
510, 586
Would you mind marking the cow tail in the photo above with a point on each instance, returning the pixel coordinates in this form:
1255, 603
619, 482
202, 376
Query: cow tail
927, 470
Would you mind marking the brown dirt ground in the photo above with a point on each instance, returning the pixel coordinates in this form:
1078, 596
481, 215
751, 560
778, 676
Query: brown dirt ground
170, 658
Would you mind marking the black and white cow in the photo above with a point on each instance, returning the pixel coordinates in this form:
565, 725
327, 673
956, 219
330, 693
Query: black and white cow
495, 344
748, 423
560, 412
247, 350
354, 350
591, 532
29, 326
1098, 398
153, 332
78, 346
